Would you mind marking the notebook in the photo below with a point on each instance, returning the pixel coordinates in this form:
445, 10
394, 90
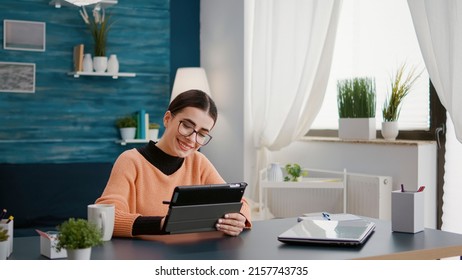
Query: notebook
197, 208
350, 232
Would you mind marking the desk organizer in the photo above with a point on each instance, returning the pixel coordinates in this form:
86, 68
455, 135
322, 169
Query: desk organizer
9, 226
407, 210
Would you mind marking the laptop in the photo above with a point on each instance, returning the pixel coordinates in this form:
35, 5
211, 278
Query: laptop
329, 232
197, 208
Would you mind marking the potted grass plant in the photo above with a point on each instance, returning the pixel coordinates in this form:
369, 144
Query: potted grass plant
127, 127
154, 131
401, 84
78, 236
356, 101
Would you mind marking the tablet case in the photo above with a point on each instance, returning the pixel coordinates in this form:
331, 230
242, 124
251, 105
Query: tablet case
197, 208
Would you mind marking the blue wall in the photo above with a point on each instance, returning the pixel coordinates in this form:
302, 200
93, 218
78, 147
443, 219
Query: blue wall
72, 120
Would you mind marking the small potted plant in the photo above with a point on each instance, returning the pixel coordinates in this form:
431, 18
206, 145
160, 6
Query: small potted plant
401, 84
154, 131
294, 172
356, 101
78, 236
4, 245
127, 126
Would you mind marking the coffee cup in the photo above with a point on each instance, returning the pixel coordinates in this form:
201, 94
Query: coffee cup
102, 215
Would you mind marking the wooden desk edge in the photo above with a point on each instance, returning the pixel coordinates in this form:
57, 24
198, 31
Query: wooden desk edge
426, 254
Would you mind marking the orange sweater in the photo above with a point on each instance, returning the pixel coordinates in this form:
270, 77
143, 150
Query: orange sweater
138, 188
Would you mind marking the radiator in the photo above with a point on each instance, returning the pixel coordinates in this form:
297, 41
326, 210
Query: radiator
323, 191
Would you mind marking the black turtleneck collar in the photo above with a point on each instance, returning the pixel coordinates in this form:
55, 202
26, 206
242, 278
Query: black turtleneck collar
164, 162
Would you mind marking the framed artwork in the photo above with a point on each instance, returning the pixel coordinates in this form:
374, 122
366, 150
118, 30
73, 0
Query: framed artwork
17, 77
23, 35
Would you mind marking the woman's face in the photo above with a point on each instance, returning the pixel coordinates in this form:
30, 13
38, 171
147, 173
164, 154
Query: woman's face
173, 142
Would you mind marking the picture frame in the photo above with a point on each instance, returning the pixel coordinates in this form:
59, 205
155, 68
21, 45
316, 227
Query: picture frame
17, 77
24, 35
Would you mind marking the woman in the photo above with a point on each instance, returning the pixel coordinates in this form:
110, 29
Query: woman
143, 178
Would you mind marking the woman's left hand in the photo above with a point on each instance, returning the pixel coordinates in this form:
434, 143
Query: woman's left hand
231, 224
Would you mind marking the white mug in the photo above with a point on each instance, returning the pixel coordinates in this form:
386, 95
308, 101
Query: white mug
102, 215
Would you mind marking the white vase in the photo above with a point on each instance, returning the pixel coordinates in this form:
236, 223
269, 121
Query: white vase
113, 64
390, 130
4, 249
87, 63
128, 133
100, 64
275, 172
79, 254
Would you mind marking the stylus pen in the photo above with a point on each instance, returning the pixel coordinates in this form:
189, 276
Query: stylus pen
166, 202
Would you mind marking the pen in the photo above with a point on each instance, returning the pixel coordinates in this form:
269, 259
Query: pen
2, 214
421, 189
402, 188
326, 216
10, 218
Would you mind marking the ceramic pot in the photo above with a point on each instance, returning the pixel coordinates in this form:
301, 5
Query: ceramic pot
390, 130
113, 64
79, 254
87, 63
275, 172
153, 134
100, 64
128, 133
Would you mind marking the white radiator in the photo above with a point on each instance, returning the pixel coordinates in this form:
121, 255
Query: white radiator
323, 191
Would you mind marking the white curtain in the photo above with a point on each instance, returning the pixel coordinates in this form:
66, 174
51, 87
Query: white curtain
438, 25
291, 48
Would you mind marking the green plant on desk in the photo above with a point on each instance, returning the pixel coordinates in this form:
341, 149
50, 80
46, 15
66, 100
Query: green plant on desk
4, 235
294, 172
78, 234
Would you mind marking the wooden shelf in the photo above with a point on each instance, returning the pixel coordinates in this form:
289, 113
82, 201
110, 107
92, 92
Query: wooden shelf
104, 74
132, 141
62, 3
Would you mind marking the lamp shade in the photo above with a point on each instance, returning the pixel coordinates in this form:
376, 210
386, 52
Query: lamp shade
190, 78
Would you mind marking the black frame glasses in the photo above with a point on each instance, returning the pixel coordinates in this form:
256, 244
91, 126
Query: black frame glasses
187, 130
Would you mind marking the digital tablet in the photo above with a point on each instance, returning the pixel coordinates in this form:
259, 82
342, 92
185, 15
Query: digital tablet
197, 208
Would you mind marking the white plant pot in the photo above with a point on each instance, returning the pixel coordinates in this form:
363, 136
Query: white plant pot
4, 249
128, 133
79, 254
100, 64
390, 130
154, 134
356, 128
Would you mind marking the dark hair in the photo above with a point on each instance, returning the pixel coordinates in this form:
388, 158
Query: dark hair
194, 98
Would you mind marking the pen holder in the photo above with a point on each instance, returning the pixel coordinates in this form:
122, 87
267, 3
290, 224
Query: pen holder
407, 211
9, 227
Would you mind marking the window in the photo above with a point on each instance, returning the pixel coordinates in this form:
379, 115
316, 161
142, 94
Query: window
373, 38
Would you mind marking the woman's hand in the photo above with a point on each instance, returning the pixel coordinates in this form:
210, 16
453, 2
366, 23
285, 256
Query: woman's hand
231, 224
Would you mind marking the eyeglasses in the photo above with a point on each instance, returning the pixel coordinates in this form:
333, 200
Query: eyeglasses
186, 128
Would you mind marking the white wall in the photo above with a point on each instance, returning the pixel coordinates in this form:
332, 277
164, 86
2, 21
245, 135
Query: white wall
222, 56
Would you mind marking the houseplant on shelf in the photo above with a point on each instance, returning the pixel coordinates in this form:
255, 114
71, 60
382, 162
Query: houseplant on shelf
295, 172
356, 101
78, 236
4, 245
154, 131
401, 84
99, 26
127, 127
